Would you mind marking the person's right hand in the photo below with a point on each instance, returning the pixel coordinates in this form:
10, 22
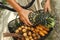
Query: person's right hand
23, 14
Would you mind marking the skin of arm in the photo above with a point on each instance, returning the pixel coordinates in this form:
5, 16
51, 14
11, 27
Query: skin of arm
14, 5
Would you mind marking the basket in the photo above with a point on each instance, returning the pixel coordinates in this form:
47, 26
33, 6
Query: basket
16, 23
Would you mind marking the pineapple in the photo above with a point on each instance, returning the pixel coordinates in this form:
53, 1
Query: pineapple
39, 17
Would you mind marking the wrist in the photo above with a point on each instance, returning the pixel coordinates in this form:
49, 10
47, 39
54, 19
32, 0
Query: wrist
47, 0
20, 10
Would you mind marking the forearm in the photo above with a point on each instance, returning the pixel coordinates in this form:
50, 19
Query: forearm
15, 5
47, 0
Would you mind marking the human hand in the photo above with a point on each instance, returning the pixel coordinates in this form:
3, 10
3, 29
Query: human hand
47, 6
23, 14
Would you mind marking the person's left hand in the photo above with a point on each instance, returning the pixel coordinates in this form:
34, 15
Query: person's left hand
47, 6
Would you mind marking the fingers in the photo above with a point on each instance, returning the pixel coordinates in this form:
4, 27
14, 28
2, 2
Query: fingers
47, 9
26, 21
22, 19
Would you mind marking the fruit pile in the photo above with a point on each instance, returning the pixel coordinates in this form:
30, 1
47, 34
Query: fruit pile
31, 33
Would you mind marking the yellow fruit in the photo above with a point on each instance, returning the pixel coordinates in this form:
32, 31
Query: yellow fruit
22, 26
34, 35
29, 33
19, 28
27, 38
26, 27
35, 38
24, 30
30, 37
32, 29
17, 31
25, 34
